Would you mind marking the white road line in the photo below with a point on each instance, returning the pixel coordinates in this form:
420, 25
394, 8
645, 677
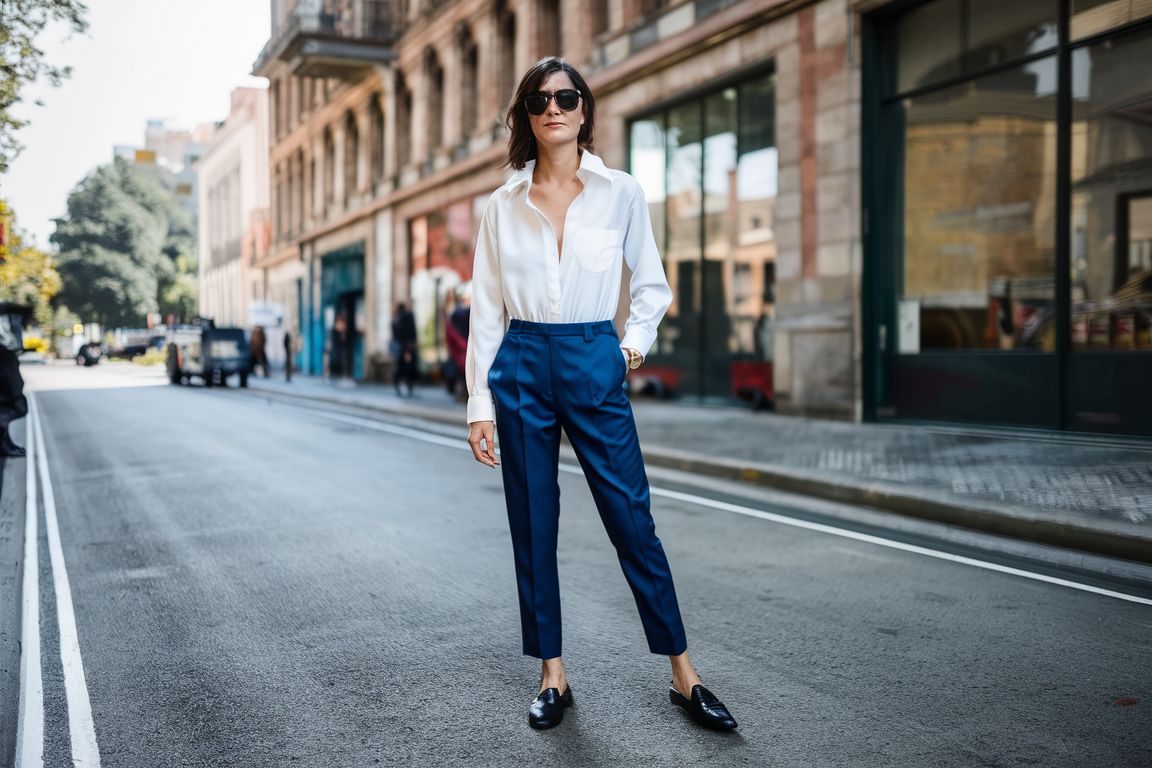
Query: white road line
739, 509
30, 716
891, 544
85, 752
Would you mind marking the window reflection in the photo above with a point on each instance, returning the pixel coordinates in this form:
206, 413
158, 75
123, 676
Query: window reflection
978, 220
1112, 195
708, 168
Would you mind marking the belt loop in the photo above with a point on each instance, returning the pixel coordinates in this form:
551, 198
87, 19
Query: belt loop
588, 332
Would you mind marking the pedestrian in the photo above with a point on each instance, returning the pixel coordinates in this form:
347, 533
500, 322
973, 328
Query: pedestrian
543, 354
456, 339
338, 348
404, 348
257, 351
13, 403
287, 354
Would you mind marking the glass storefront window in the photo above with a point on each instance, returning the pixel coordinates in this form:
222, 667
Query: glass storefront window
442, 245
944, 39
979, 211
1091, 17
1111, 221
709, 168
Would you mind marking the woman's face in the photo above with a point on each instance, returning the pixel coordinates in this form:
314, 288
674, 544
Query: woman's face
556, 127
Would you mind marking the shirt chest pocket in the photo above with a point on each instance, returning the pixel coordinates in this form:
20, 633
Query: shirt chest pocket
597, 249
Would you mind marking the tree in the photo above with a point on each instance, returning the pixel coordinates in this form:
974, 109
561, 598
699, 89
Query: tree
22, 61
126, 247
27, 276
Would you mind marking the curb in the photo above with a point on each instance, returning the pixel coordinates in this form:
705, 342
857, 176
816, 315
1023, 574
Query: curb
1002, 520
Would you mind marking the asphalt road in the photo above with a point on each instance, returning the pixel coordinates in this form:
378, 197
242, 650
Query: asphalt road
255, 584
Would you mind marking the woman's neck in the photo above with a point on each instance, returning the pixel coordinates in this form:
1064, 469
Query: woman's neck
556, 165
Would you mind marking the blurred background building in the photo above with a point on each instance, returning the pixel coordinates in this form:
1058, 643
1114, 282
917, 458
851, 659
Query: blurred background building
172, 153
936, 211
234, 229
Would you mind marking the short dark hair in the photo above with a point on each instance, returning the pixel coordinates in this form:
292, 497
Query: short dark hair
521, 142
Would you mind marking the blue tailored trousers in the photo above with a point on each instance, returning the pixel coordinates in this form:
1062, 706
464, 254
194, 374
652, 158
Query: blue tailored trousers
548, 376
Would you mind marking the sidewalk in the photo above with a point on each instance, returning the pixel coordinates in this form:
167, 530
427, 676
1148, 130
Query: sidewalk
1085, 493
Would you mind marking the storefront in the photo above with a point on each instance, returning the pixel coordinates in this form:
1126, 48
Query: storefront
708, 165
341, 306
442, 247
1007, 177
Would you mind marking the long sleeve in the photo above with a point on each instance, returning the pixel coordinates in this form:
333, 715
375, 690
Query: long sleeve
651, 295
487, 321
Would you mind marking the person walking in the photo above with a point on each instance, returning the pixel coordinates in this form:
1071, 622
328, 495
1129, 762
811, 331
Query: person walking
257, 351
544, 355
288, 354
404, 343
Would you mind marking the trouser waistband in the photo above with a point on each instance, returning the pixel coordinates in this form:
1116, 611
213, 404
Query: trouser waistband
587, 330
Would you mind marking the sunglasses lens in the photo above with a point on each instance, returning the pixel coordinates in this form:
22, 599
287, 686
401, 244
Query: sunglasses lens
567, 100
536, 104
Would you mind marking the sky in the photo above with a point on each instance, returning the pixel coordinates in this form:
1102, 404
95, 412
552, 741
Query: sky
140, 59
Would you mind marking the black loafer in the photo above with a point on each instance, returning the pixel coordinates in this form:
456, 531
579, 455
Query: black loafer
547, 709
706, 710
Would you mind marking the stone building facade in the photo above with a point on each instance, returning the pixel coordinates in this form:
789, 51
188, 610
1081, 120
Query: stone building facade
819, 234
234, 223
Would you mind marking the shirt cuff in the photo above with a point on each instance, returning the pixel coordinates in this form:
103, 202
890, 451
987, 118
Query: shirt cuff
638, 339
481, 408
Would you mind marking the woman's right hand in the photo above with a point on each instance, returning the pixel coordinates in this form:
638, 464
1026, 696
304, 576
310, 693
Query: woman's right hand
481, 438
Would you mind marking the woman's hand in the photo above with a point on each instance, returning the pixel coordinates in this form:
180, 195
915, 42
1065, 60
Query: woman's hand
481, 438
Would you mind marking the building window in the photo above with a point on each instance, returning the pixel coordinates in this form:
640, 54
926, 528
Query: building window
469, 95
1008, 241
351, 158
403, 123
708, 168
275, 99
1111, 217
506, 53
376, 137
549, 36
435, 100
329, 170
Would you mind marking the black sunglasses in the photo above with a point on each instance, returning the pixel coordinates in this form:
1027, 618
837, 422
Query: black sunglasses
567, 99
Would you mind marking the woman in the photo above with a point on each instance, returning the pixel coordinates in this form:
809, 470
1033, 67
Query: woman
543, 354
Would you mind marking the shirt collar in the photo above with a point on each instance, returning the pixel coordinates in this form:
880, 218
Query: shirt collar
589, 164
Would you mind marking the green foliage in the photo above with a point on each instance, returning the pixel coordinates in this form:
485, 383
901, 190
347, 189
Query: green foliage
126, 246
27, 276
22, 61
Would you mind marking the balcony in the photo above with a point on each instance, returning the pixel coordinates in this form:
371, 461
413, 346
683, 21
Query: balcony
333, 38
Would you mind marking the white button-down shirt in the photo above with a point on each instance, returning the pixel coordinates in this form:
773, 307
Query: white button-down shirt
519, 274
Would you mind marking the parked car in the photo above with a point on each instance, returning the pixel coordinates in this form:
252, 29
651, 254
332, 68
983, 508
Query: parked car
206, 352
89, 354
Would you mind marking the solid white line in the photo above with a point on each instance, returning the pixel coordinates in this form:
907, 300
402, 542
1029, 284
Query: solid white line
891, 544
30, 716
85, 752
739, 509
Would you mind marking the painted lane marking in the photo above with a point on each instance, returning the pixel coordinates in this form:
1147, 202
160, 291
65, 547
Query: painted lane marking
739, 509
30, 715
85, 751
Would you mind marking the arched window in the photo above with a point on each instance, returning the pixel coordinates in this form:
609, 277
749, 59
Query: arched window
435, 96
298, 206
376, 137
329, 169
549, 37
351, 155
506, 55
469, 64
403, 122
